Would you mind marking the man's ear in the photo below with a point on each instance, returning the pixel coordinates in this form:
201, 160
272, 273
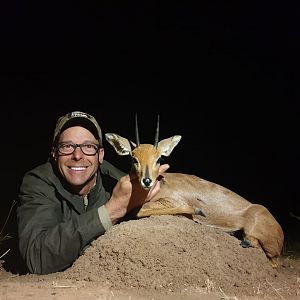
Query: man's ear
53, 154
101, 155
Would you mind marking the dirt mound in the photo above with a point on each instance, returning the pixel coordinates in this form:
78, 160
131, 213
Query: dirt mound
177, 255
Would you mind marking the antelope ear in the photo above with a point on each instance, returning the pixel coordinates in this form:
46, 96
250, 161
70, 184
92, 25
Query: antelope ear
166, 146
120, 144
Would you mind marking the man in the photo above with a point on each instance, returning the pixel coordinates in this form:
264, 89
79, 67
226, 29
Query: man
64, 204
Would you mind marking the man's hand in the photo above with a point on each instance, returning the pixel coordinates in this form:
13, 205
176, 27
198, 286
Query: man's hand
128, 194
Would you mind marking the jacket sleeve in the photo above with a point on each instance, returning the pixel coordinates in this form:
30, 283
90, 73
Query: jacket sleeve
51, 236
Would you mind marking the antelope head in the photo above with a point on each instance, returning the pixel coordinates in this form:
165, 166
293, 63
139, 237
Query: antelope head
146, 158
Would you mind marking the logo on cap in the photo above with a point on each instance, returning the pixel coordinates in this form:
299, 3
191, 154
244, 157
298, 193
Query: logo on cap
78, 114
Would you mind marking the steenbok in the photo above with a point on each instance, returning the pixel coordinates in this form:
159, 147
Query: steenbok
190, 195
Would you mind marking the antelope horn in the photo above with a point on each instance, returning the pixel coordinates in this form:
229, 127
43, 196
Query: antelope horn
137, 132
157, 133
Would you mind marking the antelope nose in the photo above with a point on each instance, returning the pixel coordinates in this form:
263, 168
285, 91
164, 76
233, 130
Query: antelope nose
147, 181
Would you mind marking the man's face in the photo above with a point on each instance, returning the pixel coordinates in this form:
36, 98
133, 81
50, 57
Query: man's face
78, 168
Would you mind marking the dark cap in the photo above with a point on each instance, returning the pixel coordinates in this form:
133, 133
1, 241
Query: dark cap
77, 118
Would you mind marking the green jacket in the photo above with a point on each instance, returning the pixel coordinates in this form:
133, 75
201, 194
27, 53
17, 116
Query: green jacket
54, 227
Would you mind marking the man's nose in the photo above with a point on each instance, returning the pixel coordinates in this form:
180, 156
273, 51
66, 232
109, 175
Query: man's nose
77, 154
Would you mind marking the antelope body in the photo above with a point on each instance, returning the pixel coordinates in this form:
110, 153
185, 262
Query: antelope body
190, 195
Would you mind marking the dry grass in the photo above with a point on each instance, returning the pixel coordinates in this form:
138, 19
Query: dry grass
5, 236
291, 247
292, 215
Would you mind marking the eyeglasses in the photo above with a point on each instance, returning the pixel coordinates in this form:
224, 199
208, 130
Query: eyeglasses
69, 148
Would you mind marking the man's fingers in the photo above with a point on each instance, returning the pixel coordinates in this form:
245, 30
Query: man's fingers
163, 168
153, 191
155, 188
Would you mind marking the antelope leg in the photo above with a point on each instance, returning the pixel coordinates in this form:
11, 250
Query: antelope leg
167, 206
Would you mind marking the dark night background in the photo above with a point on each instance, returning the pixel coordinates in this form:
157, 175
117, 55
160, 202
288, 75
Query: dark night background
223, 74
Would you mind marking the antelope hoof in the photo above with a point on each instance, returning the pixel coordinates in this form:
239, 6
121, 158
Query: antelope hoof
199, 212
245, 244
